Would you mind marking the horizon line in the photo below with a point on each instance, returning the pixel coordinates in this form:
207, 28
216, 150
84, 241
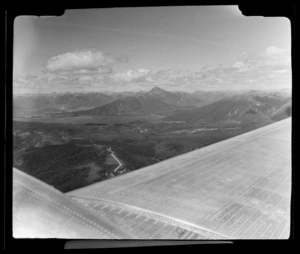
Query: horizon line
144, 91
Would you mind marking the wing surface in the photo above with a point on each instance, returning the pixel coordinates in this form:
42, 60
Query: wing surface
239, 188
40, 211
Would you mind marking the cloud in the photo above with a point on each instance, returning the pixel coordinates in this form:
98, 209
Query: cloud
274, 51
277, 57
272, 57
238, 65
92, 70
122, 58
80, 62
269, 69
173, 74
139, 75
25, 79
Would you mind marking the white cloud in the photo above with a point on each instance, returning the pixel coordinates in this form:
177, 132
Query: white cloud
277, 57
272, 58
250, 71
122, 58
80, 62
138, 75
173, 74
238, 65
93, 70
85, 78
281, 71
274, 51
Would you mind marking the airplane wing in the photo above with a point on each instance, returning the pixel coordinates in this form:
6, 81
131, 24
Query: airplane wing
239, 188
41, 211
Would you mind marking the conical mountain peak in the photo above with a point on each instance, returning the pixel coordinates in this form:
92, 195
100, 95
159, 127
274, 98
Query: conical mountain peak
156, 90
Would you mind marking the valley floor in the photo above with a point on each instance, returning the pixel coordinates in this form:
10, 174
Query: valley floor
69, 156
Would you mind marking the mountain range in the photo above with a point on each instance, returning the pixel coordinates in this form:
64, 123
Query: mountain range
131, 105
200, 106
59, 102
247, 107
156, 101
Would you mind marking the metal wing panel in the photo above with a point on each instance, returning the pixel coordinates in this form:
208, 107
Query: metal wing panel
40, 211
237, 188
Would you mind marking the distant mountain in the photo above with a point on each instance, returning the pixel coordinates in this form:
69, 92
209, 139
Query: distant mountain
155, 101
156, 90
31, 102
120, 95
66, 102
74, 101
243, 108
132, 105
283, 112
180, 99
207, 106
59, 102
208, 97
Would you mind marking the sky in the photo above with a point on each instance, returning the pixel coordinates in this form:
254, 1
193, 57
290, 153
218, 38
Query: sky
182, 48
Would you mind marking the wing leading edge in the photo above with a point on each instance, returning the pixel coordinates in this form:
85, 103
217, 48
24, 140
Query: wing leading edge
239, 188
40, 211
